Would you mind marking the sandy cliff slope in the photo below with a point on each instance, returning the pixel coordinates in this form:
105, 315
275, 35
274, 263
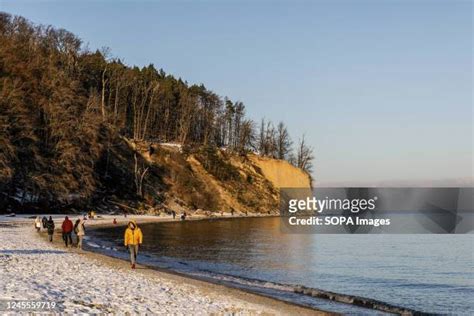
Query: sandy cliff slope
281, 173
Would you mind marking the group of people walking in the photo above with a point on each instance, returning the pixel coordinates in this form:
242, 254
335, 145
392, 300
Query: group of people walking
67, 228
133, 237
47, 224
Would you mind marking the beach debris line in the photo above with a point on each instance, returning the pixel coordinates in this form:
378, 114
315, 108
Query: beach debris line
357, 301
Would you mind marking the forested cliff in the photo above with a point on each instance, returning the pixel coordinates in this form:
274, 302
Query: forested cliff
78, 128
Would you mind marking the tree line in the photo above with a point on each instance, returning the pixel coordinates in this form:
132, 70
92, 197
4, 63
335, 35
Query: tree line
62, 105
148, 104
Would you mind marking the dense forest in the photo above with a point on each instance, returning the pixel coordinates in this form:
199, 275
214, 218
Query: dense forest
63, 109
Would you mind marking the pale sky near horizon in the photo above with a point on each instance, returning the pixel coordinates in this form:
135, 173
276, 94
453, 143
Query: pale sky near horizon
382, 89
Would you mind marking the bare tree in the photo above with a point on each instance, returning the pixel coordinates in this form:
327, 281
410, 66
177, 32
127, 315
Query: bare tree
261, 138
304, 156
142, 101
246, 136
186, 116
283, 141
140, 173
154, 86
229, 117
239, 112
104, 83
270, 145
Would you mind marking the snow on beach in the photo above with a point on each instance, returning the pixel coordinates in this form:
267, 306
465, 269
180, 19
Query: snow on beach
33, 269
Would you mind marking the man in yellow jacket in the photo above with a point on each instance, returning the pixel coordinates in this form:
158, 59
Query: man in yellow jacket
133, 239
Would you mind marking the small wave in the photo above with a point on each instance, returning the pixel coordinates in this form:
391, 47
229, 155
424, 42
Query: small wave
357, 301
246, 281
313, 292
94, 245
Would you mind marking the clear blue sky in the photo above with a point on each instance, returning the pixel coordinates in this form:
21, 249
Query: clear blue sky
382, 89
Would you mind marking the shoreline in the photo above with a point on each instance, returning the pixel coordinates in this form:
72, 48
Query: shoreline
261, 303
266, 302
283, 306
353, 300
210, 285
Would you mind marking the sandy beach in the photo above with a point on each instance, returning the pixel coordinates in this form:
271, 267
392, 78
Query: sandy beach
86, 282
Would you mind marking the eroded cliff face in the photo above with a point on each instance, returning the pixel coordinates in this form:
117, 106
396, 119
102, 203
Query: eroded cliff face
214, 181
281, 173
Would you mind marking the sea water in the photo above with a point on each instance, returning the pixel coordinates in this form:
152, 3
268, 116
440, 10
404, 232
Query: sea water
426, 272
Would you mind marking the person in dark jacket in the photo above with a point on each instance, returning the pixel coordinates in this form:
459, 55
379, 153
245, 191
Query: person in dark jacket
50, 227
67, 228
44, 222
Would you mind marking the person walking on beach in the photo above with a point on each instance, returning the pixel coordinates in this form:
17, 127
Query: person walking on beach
133, 239
80, 231
67, 231
38, 224
44, 221
76, 223
50, 228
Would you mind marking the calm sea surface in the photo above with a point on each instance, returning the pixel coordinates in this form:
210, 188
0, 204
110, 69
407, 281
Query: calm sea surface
430, 273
